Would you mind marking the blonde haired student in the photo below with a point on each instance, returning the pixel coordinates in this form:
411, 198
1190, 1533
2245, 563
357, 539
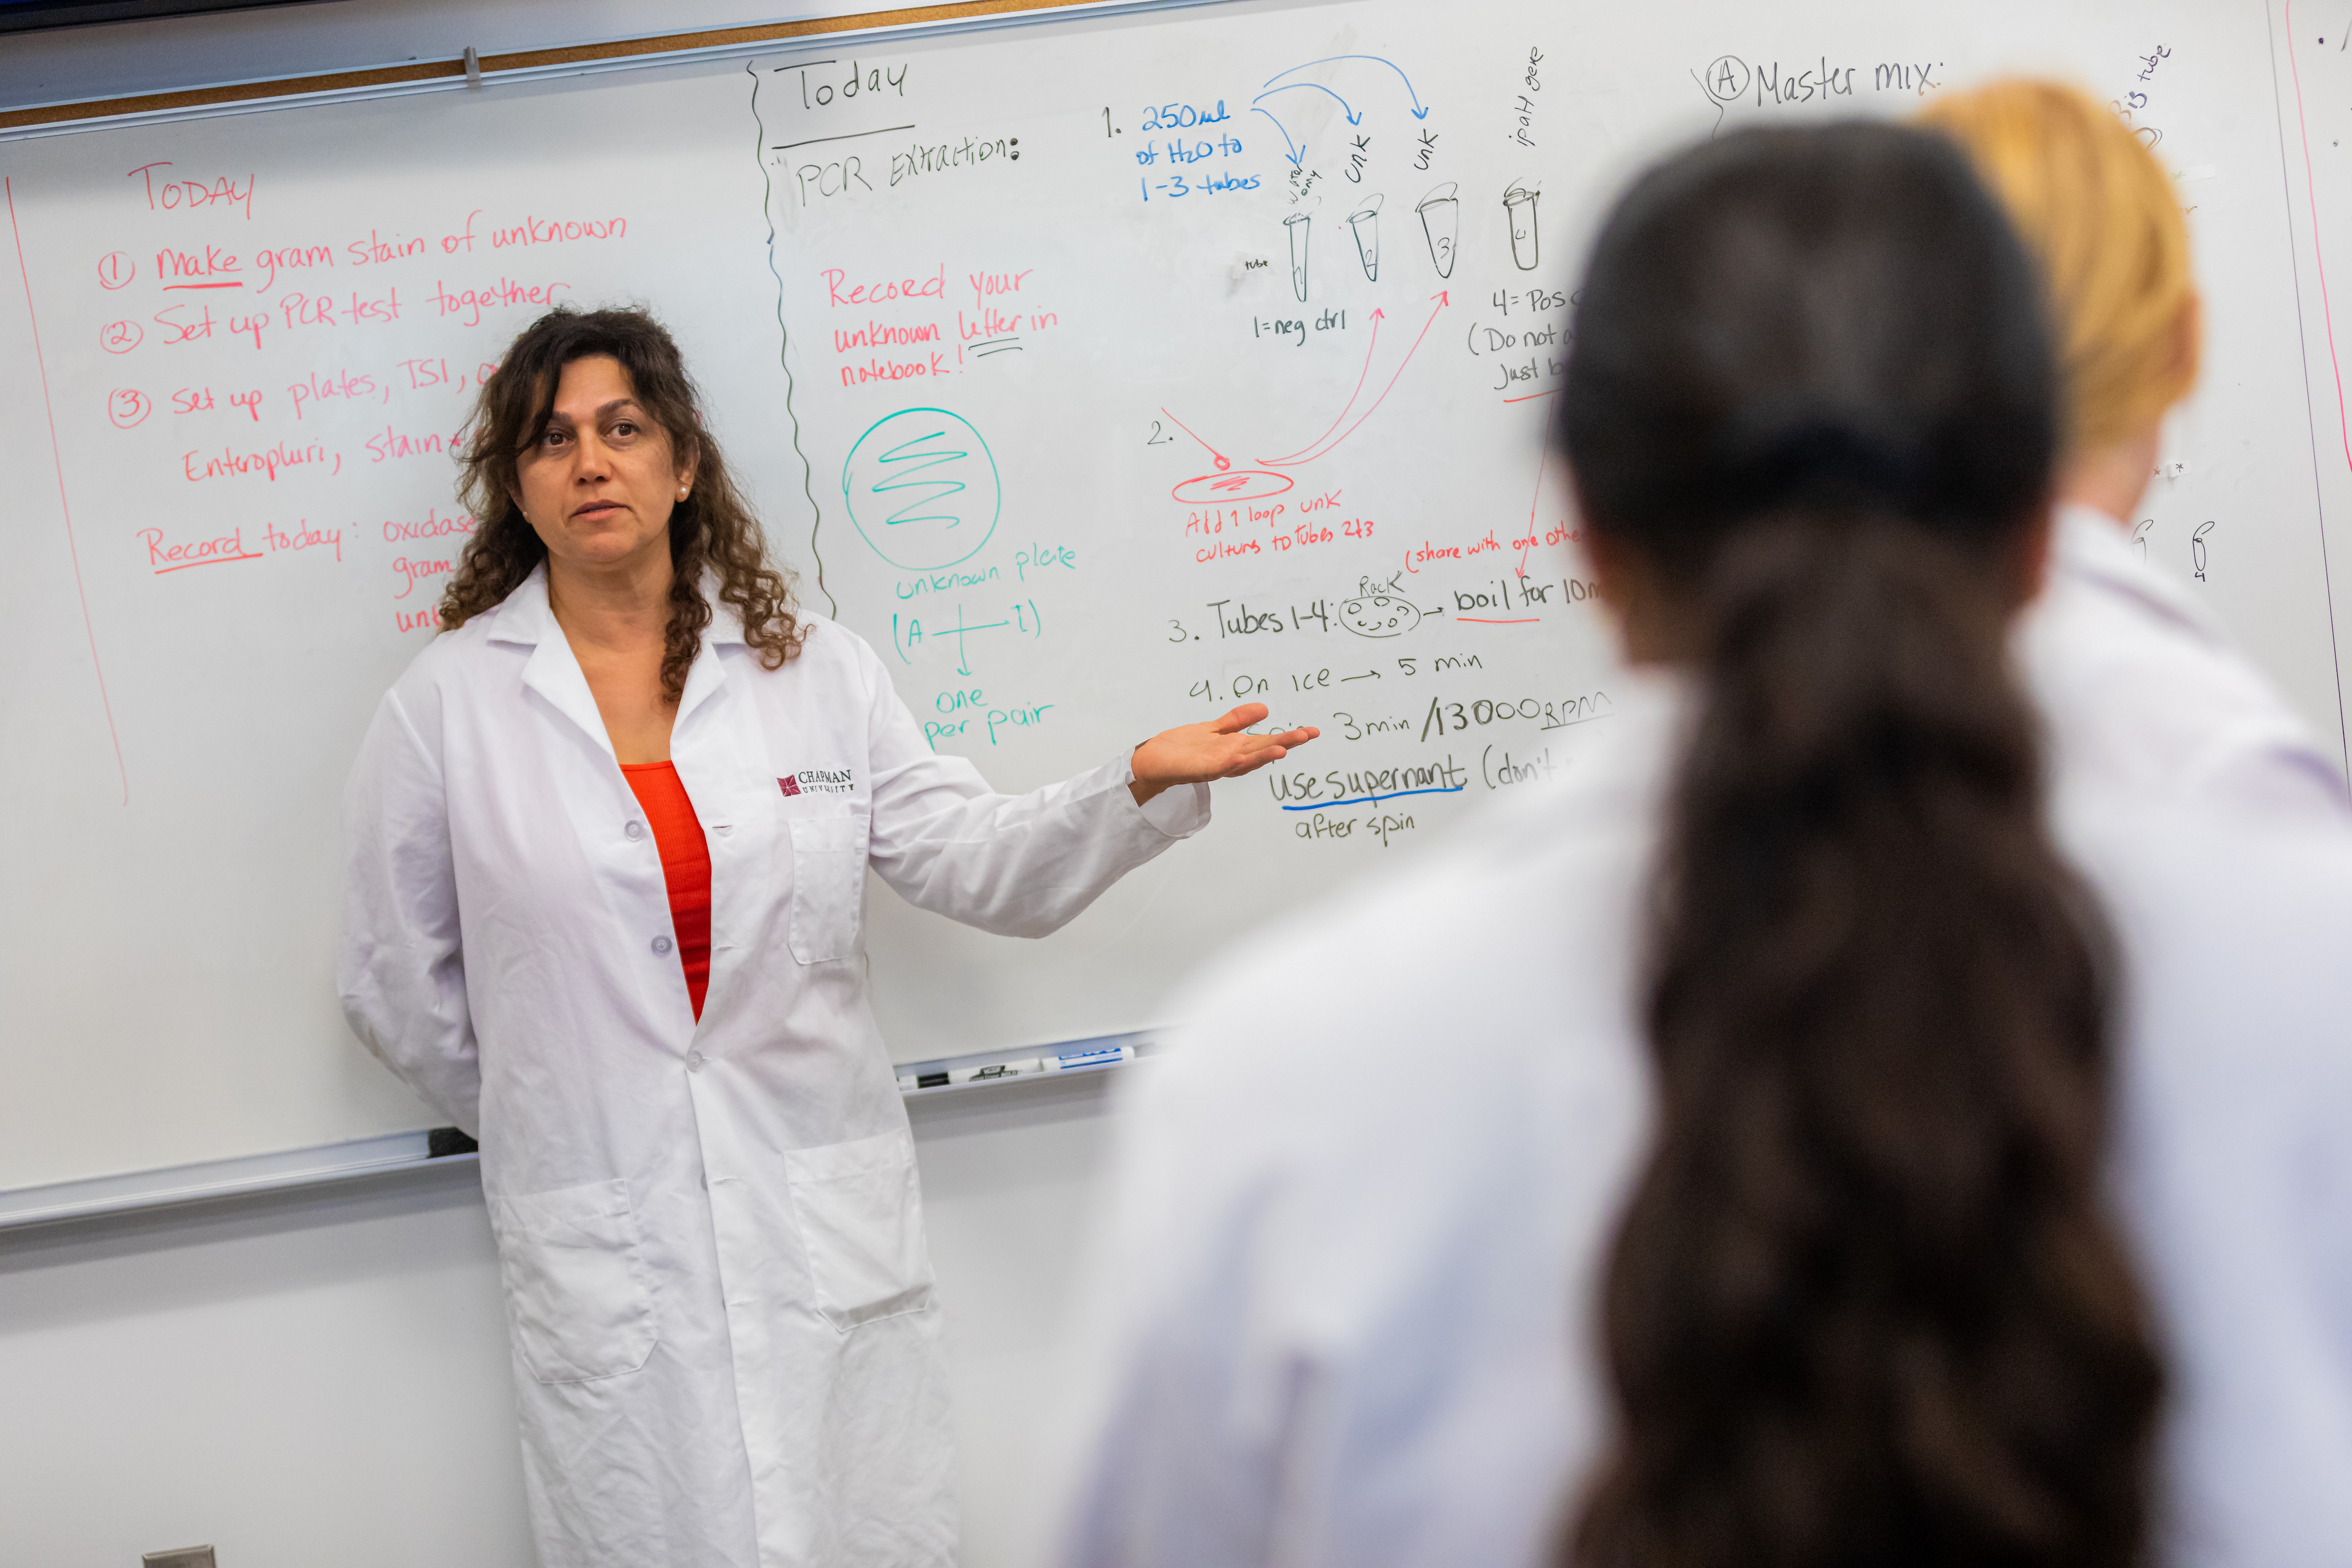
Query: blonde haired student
2136, 679
1774, 1145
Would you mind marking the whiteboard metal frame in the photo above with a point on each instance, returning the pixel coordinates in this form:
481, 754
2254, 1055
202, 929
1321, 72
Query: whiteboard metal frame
94, 1198
484, 79
330, 1164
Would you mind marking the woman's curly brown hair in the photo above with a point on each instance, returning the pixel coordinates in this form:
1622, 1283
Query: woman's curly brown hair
714, 530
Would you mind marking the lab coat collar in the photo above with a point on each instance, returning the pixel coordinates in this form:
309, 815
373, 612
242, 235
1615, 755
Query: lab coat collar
2088, 546
708, 672
524, 617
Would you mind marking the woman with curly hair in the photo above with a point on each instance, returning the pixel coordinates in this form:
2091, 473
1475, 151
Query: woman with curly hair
607, 845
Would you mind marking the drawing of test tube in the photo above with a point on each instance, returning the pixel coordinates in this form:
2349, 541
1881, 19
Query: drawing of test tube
1299, 226
1441, 219
1365, 224
1519, 206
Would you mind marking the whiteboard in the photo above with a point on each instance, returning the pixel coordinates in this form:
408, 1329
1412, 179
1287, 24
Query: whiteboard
1101, 375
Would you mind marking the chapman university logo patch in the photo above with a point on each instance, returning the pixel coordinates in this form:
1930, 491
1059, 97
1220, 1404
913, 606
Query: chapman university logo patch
819, 781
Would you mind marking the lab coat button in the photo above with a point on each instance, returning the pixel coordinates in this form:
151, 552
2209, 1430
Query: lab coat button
661, 944
694, 1064
635, 830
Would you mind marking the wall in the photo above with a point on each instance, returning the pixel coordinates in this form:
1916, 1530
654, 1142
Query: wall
321, 1382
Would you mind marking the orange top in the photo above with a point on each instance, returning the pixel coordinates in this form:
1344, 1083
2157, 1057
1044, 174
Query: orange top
685, 867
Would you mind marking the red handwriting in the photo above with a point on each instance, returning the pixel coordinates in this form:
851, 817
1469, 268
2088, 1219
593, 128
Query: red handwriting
304, 537
300, 309
424, 372
249, 401
892, 370
432, 525
267, 463
986, 284
557, 231
121, 337
183, 265
291, 259
505, 291
415, 571
993, 323
1559, 533
1421, 554
386, 309
176, 330
880, 335
127, 406
316, 388
179, 331
392, 444
409, 621
375, 248
934, 287
192, 400
163, 557
115, 268
168, 194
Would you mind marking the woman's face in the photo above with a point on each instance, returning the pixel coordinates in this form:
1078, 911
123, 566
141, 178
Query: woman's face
598, 485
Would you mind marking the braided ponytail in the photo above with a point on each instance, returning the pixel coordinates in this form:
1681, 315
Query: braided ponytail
1866, 1306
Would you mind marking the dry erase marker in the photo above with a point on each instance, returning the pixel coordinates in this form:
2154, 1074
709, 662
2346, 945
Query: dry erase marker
955, 1078
1079, 1061
1023, 1067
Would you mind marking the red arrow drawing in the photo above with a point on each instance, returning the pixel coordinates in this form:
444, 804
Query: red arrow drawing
1361, 376
1224, 462
1324, 442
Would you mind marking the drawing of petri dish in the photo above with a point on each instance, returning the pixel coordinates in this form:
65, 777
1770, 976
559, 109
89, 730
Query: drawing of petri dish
1441, 219
1519, 206
1365, 224
1299, 226
922, 487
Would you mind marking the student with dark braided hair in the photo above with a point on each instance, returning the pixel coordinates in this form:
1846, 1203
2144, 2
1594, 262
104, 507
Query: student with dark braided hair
1785, 1142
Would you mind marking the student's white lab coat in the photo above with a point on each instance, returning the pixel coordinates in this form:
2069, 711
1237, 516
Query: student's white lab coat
726, 1347
1344, 1304
2142, 690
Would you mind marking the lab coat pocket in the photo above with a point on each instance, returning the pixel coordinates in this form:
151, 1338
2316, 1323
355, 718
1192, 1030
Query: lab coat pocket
578, 1290
828, 886
861, 1219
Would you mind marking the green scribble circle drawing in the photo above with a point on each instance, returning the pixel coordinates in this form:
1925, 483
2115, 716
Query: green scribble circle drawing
922, 487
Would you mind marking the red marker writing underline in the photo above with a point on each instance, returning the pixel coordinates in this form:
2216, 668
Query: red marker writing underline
1525, 395
169, 286
215, 560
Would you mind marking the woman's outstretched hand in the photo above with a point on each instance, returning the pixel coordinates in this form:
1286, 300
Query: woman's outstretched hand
1196, 753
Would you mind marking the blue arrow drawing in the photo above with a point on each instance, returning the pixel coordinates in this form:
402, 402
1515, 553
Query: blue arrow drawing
1353, 117
1296, 151
1418, 112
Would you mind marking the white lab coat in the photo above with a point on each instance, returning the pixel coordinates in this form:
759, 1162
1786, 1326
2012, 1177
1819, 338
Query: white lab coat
2143, 692
726, 1347
1343, 1310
